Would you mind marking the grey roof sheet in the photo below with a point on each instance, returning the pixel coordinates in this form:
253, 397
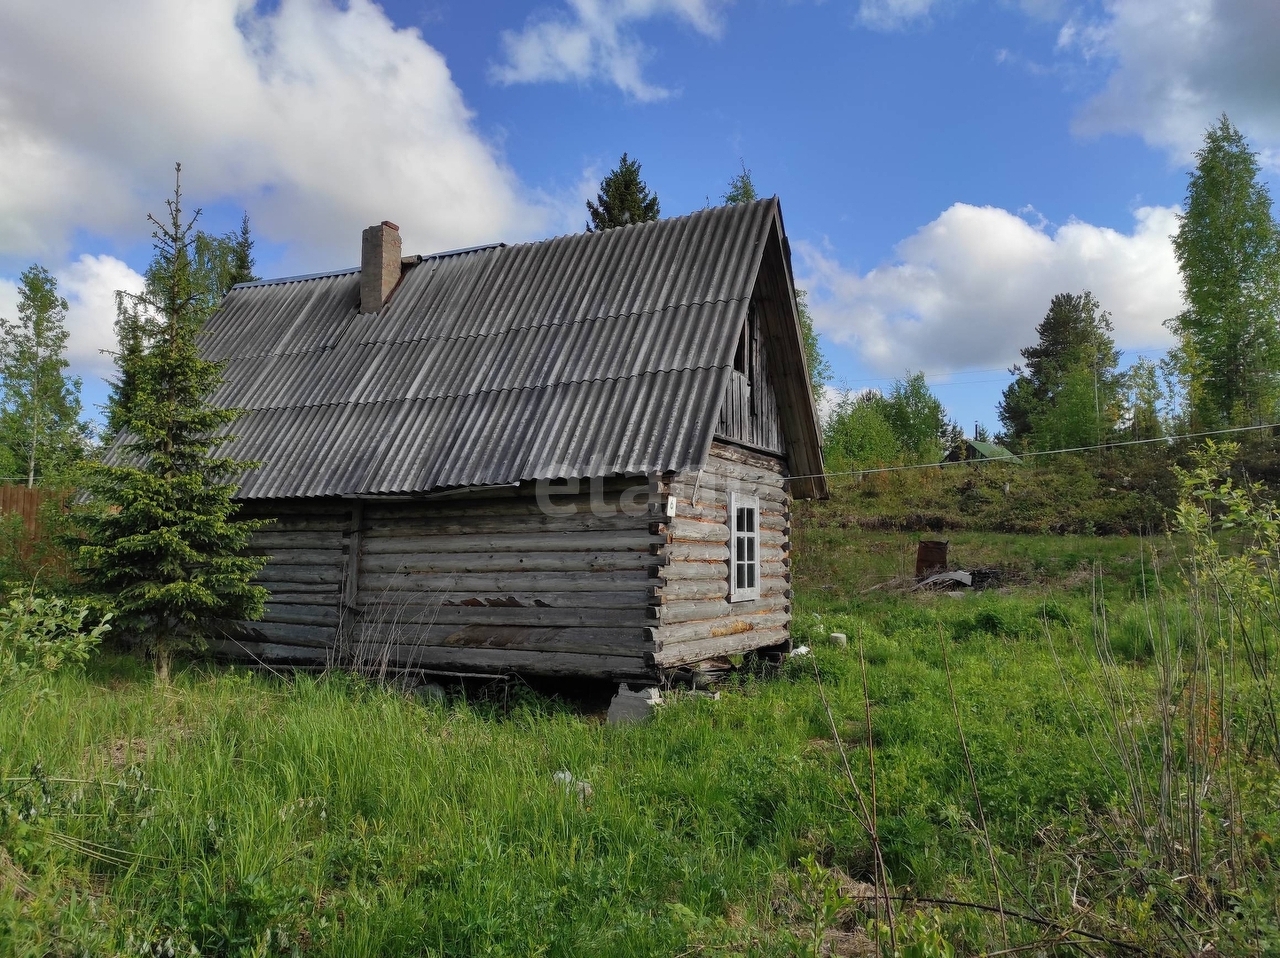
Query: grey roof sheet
583, 355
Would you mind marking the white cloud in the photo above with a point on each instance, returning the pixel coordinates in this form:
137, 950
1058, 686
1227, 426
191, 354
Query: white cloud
893, 14
90, 285
1175, 65
595, 40
321, 117
968, 289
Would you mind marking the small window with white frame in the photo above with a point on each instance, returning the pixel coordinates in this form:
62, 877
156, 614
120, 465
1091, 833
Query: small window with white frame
744, 547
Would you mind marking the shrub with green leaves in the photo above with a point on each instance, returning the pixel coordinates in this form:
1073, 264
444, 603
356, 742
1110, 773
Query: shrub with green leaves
41, 634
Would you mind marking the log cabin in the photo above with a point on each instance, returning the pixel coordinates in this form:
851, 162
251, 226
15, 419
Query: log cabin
572, 457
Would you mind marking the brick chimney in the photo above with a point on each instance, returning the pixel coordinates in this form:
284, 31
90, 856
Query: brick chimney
379, 265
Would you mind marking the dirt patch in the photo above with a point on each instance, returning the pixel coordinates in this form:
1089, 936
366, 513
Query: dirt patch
124, 752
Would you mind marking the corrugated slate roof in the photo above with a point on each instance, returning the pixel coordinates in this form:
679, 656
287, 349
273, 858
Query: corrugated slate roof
589, 354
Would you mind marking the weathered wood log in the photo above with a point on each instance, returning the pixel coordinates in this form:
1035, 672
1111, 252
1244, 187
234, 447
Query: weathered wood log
484, 523
670, 635
570, 617
268, 653
670, 657
500, 661
321, 591
301, 557
313, 636
271, 538
584, 562
303, 574
594, 641
497, 582
621, 541
632, 599
301, 614
674, 613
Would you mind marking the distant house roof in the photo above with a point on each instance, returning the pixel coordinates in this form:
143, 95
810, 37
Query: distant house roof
591, 354
973, 449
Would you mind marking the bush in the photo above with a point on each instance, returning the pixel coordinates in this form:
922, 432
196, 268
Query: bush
41, 634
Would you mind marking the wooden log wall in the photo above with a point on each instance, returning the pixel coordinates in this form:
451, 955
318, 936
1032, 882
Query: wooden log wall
697, 620
308, 544
495, 582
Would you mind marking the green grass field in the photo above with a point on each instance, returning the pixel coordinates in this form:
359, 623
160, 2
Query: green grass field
235, 814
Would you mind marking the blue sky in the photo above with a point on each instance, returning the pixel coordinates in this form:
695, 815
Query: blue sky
945, 166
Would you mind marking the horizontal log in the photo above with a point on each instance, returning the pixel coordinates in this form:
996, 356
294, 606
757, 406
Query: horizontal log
674, 613
708, 552
472, 523
669, 635
302, 574
279, 539
504, 661
370, 637
611, 540
619, 496
322, 591
301, 557
771, 500
314, 636
523, 580
715, 569
323, 599
584, 562
530, 616
684, 590
690, 652
301, 614
331, 525
632, 599
268, 652
736, 454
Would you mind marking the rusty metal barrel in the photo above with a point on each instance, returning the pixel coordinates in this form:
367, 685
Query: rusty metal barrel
931, 556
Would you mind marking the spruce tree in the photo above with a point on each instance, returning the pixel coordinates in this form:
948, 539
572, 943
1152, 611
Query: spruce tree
160, 541
623, 199
1228, 248
40, 426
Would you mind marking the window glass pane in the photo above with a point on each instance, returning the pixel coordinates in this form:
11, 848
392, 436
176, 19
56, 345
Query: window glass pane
751, 576
751, 520
751, 548
741, 520
740, 548
742, 575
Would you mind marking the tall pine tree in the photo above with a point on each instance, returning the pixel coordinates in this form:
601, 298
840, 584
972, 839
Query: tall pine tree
623, 199
1068, 391
1228, 248
160, 541
41, 433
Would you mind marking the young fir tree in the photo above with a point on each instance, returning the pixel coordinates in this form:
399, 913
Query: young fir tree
1228, 248
40, 427
742, 189
623, 199
160, 541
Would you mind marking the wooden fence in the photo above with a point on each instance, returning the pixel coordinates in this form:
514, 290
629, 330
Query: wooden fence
24, 502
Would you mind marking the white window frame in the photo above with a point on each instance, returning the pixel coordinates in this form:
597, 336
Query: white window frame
744, 548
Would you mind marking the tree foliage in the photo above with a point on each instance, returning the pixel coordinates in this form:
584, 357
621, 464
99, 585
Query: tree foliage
1228, 249
623, 199
856, 434
1069, 385
908, 424
41, 432
159, 536
218, 262
741, 188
